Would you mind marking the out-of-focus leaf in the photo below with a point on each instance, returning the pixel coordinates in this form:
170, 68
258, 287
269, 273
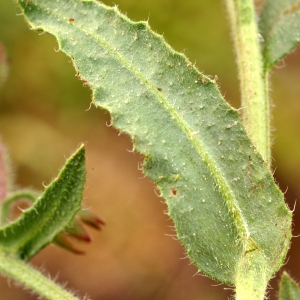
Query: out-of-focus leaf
90, 218
3, 65
223, 200
76, 230
280, 28
289, 289
63, 241
50, 213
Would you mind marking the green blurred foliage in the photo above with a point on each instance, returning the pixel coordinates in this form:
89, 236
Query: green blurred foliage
45, 114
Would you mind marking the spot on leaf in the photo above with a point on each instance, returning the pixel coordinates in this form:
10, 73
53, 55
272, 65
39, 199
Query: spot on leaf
173, 191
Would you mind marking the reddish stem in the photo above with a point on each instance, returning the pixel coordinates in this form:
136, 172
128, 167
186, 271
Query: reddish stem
3, 173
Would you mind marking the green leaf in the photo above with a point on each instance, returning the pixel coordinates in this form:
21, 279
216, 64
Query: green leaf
289, 289
280, 28
49, 214
223, 200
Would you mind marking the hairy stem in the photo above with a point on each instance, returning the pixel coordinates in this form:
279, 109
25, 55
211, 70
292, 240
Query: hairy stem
254, 94
24, 274
252, 277
5, 206
4, 176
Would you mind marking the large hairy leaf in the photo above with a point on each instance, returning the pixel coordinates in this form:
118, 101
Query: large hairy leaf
280, 28
289, 289
223, 200
50, 213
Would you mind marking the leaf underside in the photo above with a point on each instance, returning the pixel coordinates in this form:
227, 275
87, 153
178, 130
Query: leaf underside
49, 214
280, 28
289, 289
222, 198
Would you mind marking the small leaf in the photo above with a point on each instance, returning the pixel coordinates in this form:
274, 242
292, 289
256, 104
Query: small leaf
289, 289
50, 213
63, 241
90, 218
280, 28
224, 202
76, 230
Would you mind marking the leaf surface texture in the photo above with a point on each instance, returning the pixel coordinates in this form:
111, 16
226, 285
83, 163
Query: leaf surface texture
224, 202
49, 214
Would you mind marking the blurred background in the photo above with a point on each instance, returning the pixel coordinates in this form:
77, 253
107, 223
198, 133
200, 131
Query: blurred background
45, 115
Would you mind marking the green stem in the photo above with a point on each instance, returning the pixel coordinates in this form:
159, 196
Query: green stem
5, 206
253, 80
24, 274
252, 277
